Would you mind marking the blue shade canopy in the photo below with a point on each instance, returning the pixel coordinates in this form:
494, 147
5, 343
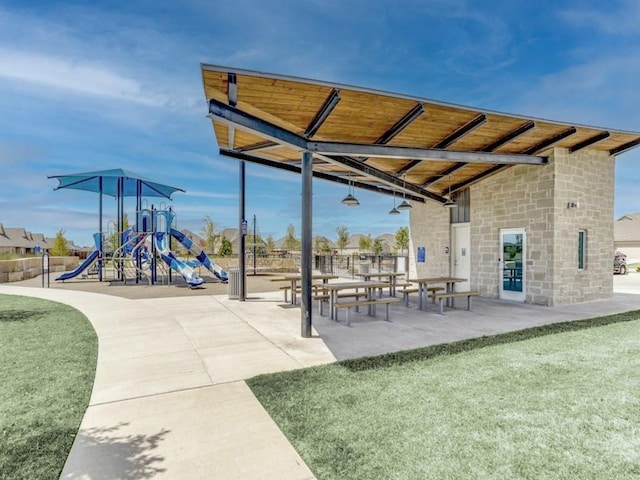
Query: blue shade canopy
90, 181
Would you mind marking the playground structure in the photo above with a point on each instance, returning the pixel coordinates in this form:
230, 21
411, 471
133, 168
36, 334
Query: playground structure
144, 253
140, 253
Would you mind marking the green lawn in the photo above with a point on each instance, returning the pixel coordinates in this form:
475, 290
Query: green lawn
555, 402
48, 357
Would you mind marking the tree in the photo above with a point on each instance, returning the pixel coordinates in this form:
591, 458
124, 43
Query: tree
343, 237
225, 247
270, 244
60, 245
209, 234
377, 247
402, 239
291, 242
321, 245
111, 242
365, 243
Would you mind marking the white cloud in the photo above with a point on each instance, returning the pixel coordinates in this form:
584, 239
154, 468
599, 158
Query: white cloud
76, 76
620, 21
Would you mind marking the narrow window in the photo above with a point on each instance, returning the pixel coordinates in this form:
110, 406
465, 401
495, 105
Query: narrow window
582, 249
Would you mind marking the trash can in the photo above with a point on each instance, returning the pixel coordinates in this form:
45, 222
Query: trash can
234, 284
364, 268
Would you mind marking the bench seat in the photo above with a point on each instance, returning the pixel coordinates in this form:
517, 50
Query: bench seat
406, 291
359, 303
441, 297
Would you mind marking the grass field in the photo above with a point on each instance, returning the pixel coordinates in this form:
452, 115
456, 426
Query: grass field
47, 363
554, 402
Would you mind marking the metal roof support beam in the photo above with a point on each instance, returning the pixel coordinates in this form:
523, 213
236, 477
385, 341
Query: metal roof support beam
462, 131
401, 124
439, 176
387, 151
294, 168
322, 114
525, 127
625, 147
396, 183
589, 141
480, 176
234, 116
306, 253
232, 98
258, 146
547, 142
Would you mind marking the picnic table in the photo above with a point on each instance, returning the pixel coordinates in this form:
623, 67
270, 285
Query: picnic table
391, 278
294, 278
334, 288
424, 282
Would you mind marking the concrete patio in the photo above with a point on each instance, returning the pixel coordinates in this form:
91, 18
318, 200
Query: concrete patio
170, 401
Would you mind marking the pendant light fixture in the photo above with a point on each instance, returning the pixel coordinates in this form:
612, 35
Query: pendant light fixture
394, 210
449, 203
404, 205
350, 200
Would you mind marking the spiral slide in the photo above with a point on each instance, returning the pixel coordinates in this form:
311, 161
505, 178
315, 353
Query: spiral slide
188, 273
200, 255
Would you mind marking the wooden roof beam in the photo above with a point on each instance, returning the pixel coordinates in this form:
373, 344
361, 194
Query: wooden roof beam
323, 113
462, 131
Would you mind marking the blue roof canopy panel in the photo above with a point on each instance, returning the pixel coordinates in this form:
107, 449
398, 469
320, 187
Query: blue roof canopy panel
90, 181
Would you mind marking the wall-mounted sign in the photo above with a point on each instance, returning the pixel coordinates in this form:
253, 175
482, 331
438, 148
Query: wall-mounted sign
422, 255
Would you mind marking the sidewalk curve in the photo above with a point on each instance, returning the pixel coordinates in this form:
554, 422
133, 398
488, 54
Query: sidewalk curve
169, 398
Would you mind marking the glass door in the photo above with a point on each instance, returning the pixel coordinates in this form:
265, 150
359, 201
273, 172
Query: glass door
512, 264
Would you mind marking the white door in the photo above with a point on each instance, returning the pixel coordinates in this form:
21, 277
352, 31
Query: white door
461, 255
512, 262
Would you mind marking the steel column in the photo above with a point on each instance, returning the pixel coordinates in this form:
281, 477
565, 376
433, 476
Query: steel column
100, 246
305, 255
242, 229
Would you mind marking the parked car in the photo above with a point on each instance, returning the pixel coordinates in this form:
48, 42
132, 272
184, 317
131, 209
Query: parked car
620, 263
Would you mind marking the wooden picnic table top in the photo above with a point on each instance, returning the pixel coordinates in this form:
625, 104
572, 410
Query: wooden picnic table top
382, 274
288, 277
347, 285
437, 280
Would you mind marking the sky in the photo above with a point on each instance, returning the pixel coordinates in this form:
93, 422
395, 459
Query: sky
117, 84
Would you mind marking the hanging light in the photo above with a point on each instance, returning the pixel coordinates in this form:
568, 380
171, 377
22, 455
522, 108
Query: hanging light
404, 205
350, 200
449, 203
394, 210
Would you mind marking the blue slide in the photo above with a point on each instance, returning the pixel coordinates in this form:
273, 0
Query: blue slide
188, 273
200, 255
84, 265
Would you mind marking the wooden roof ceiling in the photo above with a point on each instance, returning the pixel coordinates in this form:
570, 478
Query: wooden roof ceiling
381, 141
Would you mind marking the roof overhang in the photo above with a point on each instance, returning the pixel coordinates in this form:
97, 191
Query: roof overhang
380, 141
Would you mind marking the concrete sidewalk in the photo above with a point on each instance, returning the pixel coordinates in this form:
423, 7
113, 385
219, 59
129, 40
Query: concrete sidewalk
169, 400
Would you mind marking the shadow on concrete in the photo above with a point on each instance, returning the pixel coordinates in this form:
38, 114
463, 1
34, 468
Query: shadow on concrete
105, 454
425, 353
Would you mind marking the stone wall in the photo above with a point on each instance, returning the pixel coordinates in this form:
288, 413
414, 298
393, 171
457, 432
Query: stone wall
25, 268
585, 179
430, 229
535, 198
